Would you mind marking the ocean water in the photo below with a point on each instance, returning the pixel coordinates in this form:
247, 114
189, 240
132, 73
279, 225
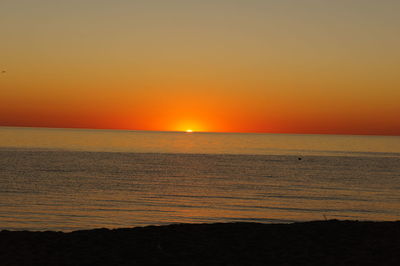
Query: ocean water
65, 179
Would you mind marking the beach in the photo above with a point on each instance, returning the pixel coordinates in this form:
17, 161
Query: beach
330, 242
231, 199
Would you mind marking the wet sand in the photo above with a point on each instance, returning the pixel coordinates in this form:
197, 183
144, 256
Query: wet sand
311, 243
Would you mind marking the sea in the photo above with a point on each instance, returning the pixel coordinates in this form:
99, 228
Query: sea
74, 179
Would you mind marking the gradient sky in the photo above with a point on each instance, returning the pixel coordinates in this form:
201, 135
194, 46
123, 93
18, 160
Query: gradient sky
274, 66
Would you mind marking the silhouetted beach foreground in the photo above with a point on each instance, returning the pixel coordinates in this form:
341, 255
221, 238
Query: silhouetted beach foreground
311, 243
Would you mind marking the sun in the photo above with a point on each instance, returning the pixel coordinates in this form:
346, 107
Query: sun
188, 131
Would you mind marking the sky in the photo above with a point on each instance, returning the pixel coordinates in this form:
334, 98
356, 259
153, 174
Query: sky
277, 66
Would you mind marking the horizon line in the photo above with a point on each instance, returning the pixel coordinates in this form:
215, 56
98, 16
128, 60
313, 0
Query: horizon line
197, 132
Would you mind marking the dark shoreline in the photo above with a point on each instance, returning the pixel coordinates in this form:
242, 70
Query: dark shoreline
310, 243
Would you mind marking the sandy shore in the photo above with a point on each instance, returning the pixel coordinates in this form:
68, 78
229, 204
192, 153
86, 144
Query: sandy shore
310, 243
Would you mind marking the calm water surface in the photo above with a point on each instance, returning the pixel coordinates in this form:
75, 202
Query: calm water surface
59, 179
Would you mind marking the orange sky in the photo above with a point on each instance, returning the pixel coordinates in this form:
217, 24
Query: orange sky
233, 66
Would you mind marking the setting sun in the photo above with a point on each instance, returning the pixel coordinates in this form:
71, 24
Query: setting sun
189, 125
